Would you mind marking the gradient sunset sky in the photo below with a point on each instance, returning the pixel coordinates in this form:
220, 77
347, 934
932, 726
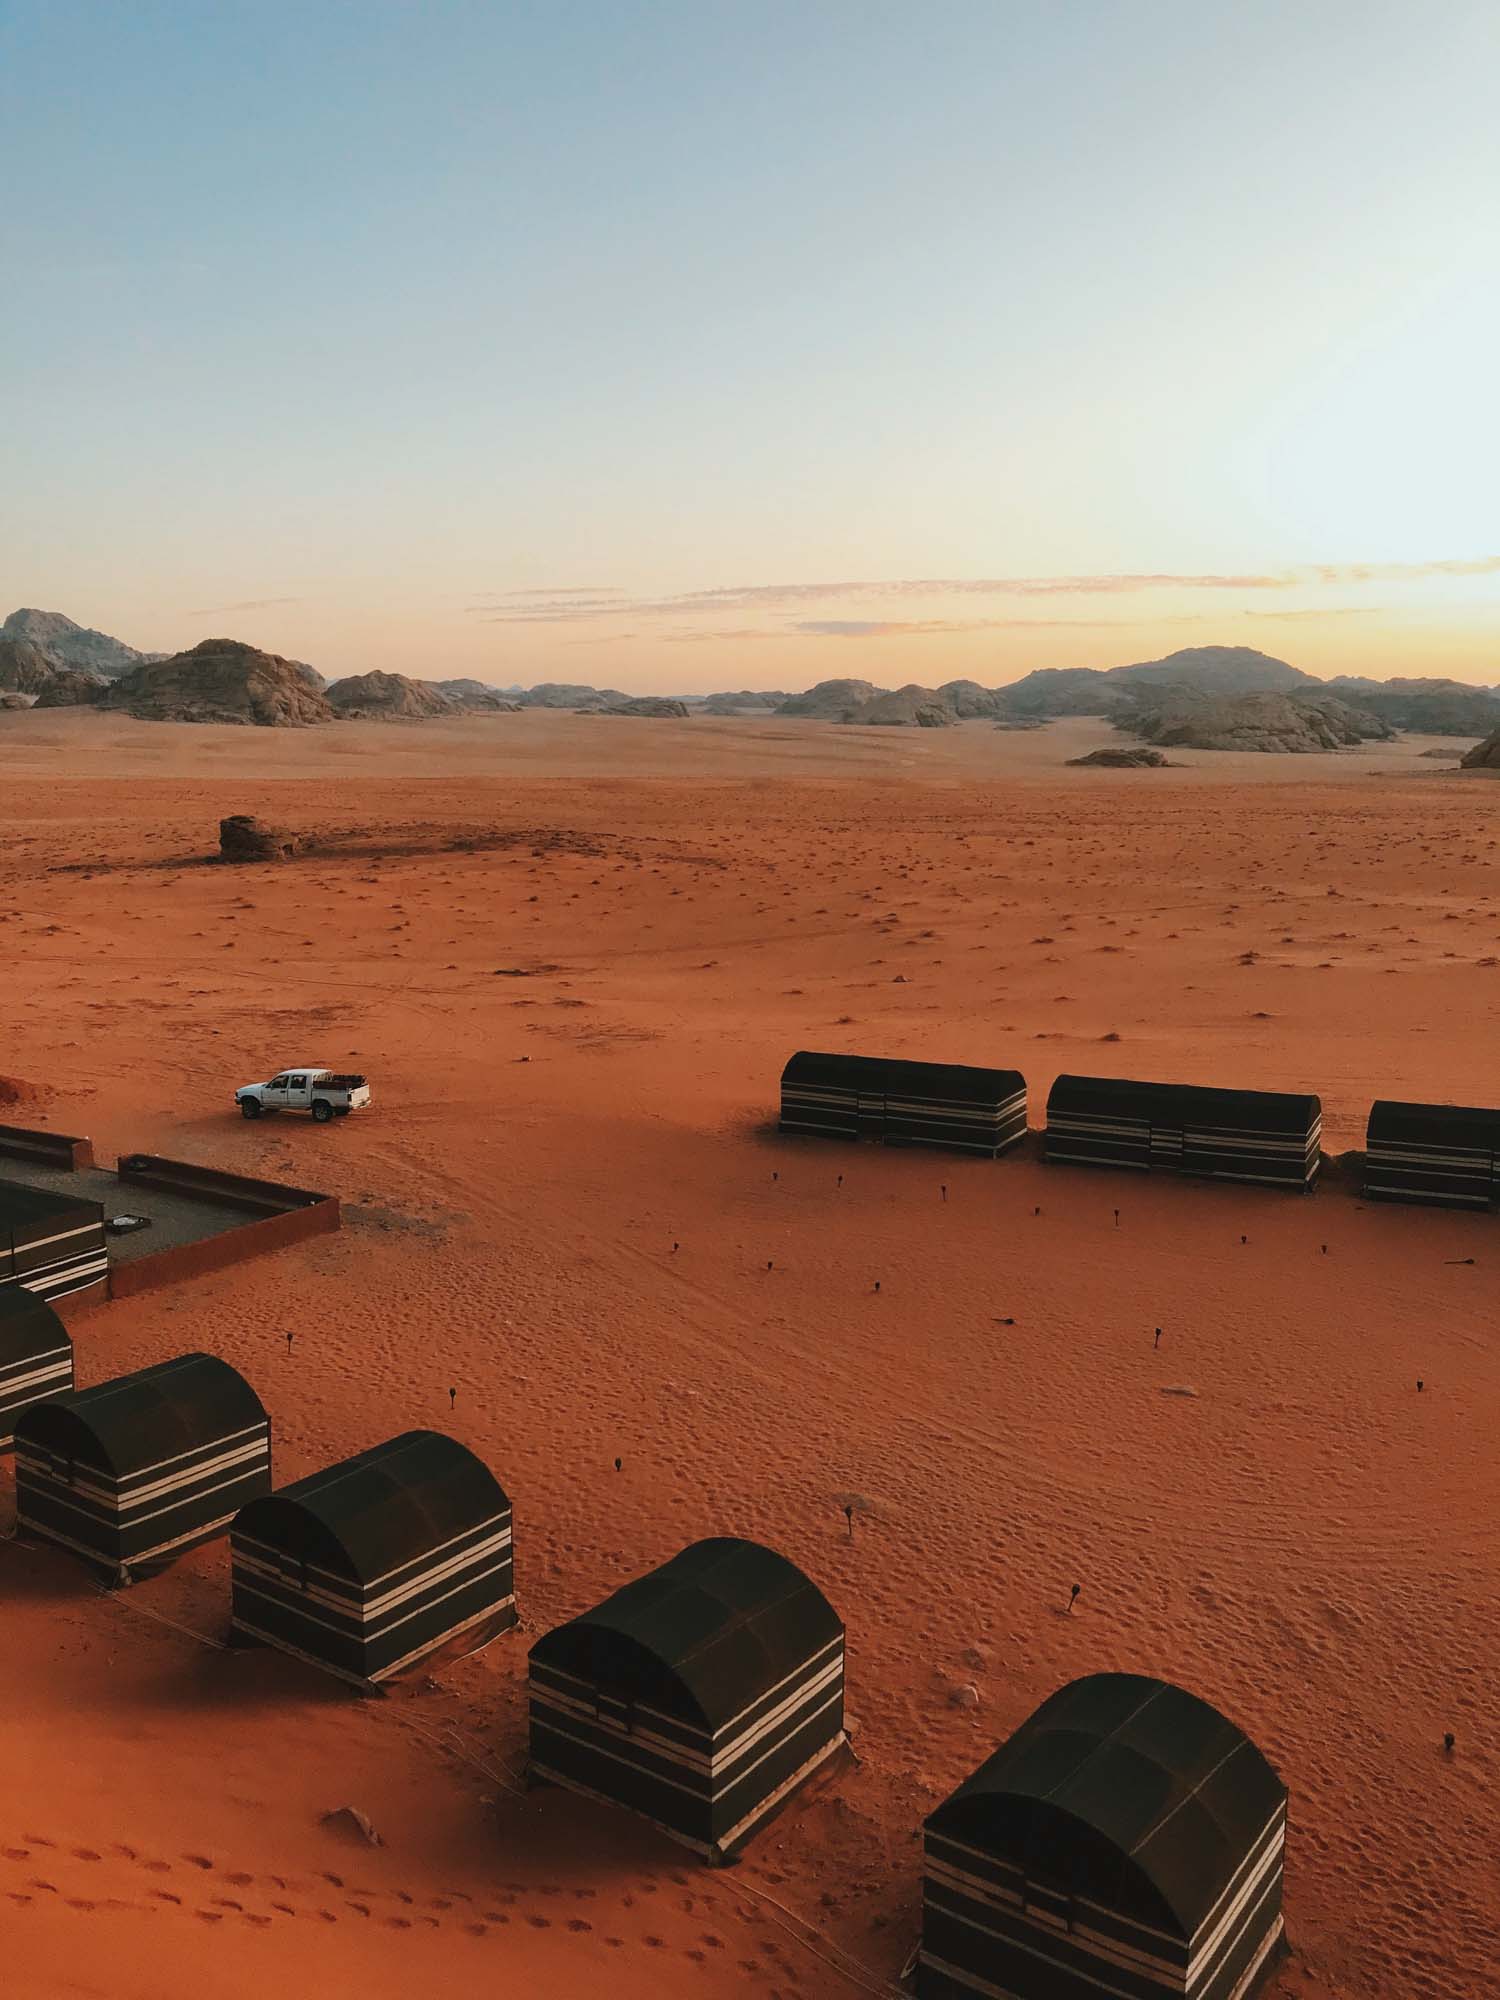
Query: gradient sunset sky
739, 343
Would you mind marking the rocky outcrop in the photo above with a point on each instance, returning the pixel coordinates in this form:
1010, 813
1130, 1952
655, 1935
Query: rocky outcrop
243, 837
969, 701
1297, 724
478, 697
908, 707
1050, 691
659, 705
566, 694
219, 680
69, 688
1123, 760
70, 645
744, 701
381, 697
1431, 707
1484, 756
1220, 670
24, 667
831, 701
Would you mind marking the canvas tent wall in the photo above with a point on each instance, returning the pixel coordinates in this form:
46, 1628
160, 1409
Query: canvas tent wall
129, 1473
36, 1355
903, 1103
1126, 1841
373, 1564
700, 1695
1268, 1136
1447, 1155
51, 1244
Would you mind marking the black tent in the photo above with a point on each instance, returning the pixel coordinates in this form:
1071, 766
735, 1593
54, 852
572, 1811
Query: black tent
1447, 1155
1127, 1840
1270, 1136
903, 1103
50, 1244
36, 1355
699, 1695
368, 1566
131, 1472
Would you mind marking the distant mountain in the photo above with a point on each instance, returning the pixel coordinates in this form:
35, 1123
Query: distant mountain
1306, 721
73, 645
831, 701
743, 701
908, 707
1219, 669
377, 696
478, 695
219, 680
1426, 707
658, 706
1048, 691
566, 694
969, 701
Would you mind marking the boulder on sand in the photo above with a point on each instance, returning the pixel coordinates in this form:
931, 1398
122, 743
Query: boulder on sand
909, 707
830, 701
243, 837
70, 687
1125, 760
650, 705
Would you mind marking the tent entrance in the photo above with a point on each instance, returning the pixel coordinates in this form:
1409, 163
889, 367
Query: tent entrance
1166, 1145
869, 1115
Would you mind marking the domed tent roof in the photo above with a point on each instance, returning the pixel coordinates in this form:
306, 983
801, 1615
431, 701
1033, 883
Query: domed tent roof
961, 1083
701, 1637
384, 1508
1126, 1790
136, 1421
1190, 1103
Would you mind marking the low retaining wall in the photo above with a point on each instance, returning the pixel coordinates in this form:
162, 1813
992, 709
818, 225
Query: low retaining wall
47, 1149
275, 1217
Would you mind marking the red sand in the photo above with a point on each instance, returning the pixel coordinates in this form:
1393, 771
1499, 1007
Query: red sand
1308, 1543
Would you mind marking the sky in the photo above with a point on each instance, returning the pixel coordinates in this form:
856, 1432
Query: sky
708, 344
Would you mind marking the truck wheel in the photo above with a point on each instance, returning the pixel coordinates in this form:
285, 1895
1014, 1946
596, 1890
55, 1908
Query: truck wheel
322, 1111
249, 1108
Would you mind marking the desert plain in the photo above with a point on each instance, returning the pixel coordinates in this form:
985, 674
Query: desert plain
572, 954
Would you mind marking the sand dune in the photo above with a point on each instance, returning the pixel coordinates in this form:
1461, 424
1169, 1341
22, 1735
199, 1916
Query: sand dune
574, 1041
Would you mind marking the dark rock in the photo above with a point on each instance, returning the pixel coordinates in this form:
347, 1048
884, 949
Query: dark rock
69, 688
1124, 760
70, 645
1484, 756
243, 837
658, 705
909, 707
831, 701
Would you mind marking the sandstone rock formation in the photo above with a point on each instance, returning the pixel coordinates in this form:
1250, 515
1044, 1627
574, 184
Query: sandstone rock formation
1301, 723
910, 706
1431, 707
478, 696
567, 694
1050, 691
660, 705
380, 697
1484, 756
72, 645
831, 701
219, 680
745, 701
70, 688
969, 700
24, 667
1123, 760
243, 837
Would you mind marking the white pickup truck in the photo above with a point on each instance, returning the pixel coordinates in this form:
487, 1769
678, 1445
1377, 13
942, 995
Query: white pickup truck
325, 1093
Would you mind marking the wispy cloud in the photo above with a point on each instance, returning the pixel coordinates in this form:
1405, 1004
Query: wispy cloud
245, 604
905, 628
578, 603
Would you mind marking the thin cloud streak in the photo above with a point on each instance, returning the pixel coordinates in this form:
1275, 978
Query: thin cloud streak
577, 603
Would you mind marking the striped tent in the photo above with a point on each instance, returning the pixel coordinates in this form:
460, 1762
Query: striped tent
36, 1355
1125, 1844
131, 1472
903, 1103
1268, 1136
1447, 1155
700, 1695
371, 1565
50, 1244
